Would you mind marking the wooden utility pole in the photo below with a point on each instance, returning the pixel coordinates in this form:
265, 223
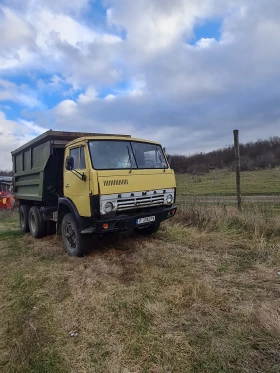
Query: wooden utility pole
237, 159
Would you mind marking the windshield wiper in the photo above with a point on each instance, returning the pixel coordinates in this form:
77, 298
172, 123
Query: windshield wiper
134, 156
130, 160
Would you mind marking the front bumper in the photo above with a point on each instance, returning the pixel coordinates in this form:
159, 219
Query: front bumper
122, 223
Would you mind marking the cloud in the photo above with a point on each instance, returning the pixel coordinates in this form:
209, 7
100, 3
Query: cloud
89, 96
14, 30
65, 109
17, 39
67, 30
13, 134
137, 71
21, 94
152, 26
43, 39
58, 6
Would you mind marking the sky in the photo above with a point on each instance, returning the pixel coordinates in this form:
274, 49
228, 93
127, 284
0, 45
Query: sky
181, 72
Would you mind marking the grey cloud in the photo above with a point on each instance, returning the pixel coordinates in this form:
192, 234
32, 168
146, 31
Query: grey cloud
55, 5
190, 98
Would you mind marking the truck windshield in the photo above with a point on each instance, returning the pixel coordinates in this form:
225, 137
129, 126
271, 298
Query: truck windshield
118, 155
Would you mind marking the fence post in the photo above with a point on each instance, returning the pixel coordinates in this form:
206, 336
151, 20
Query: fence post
237, 159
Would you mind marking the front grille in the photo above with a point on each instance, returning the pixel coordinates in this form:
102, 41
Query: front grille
115, 182
138, 202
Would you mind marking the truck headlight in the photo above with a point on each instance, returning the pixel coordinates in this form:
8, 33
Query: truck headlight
169, 199
108, 207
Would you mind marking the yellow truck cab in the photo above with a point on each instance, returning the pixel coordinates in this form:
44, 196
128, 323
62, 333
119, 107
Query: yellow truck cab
83, 184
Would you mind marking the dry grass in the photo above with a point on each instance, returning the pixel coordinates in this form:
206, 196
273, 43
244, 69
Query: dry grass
202, 295
255, 220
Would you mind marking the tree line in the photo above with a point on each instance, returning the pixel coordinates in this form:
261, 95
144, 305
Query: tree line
6, 173
257, 155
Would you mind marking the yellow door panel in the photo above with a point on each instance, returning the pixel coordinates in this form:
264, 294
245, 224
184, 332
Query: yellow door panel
75, 188
78, 191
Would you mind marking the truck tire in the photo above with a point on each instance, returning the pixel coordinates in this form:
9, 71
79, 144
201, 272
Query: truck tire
23, 218
37, 225
150, 229
75, 243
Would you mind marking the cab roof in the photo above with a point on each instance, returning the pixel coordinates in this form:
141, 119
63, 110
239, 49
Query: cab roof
110, 137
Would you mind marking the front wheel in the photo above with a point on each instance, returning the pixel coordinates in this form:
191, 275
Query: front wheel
150, 229
73, 241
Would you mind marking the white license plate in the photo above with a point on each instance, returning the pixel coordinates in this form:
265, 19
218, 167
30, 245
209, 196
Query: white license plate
145, 220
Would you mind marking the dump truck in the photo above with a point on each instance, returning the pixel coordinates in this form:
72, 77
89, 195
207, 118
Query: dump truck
83, 184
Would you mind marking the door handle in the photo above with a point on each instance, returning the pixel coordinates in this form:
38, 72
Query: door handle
67, 186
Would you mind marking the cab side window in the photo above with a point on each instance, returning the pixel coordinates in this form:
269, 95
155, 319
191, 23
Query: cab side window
79, 158
75, 154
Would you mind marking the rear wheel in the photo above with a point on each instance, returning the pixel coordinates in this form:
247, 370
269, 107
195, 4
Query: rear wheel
74, 242
150, 229
23, 218
37, 225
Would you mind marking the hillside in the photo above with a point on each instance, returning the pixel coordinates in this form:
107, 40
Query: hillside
258, 155
222, 183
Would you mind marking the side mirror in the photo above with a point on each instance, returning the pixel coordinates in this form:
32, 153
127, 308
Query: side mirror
169, 158
69, 163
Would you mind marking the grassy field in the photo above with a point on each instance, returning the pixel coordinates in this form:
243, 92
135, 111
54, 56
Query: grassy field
201, 295
222, 182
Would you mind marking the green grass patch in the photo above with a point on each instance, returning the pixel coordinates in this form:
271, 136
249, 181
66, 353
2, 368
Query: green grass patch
8, 216
10, 234
223, 183
30, 335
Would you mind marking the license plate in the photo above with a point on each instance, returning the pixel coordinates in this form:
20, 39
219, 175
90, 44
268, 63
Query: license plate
145, 220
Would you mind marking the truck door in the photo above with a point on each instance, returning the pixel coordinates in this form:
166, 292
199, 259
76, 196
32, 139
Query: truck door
74, 187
